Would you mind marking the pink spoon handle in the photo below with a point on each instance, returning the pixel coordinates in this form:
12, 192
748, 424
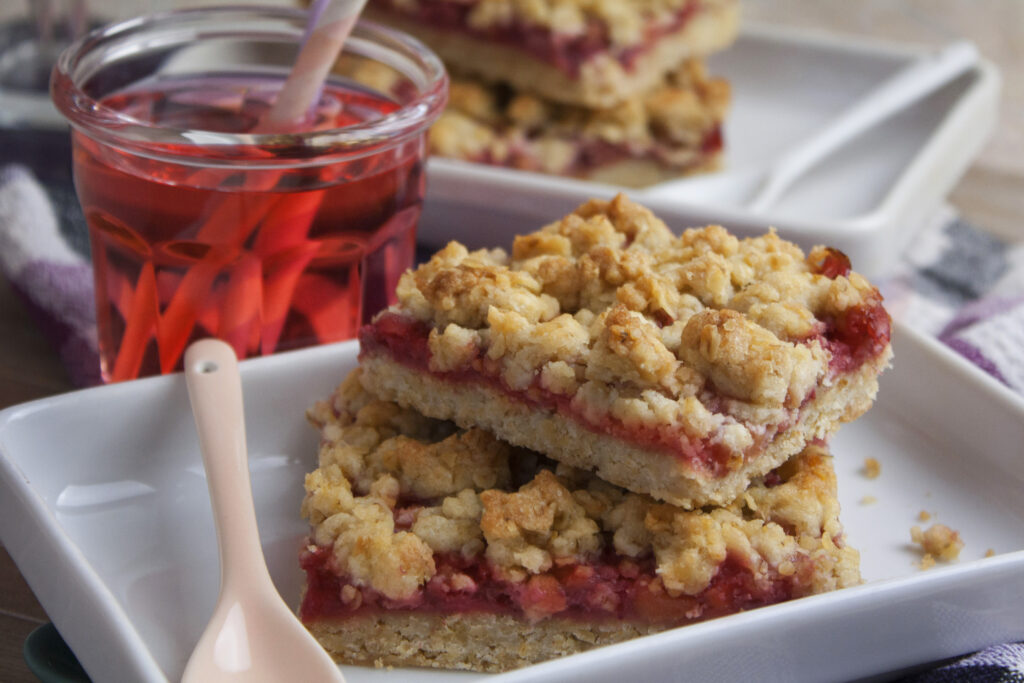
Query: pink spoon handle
215, 390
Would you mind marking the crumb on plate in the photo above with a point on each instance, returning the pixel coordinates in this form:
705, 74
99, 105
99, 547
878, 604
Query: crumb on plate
938, 540
872, 468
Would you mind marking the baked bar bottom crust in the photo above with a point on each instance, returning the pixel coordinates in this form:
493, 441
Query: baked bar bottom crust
475, 642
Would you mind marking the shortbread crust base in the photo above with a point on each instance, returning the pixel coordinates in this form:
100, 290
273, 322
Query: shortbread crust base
637, 469
476, 642
644, 173
602, 82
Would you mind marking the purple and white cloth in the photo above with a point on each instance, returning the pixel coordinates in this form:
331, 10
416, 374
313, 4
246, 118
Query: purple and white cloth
54, 279
996, 664
966, 287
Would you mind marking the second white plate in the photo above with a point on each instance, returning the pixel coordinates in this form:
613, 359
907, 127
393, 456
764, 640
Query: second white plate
867, 199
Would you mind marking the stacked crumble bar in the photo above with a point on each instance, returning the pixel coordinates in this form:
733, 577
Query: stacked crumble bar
612, 90
441, 547
610, 432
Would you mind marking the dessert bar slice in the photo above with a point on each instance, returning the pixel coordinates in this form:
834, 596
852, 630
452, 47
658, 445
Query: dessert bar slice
674, 129
681, 367
440, 547
594, 53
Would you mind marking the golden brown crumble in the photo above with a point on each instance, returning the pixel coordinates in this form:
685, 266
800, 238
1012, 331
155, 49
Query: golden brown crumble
703, 331
872, 468
924, 516
938, 541
624, 23
374, 455
668, 124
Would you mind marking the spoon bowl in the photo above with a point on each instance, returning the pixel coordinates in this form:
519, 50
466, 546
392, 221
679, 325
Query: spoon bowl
252, 635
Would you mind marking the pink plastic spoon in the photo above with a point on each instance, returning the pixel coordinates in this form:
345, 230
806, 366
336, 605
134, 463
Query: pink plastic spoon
252, 635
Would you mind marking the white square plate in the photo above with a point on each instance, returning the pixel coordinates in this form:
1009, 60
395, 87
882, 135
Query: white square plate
103, 506
868, 199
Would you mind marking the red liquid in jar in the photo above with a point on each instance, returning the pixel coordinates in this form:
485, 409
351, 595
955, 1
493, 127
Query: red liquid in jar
268, 260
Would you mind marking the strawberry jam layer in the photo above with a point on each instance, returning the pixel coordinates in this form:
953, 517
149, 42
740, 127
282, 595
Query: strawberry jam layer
863, 332
592, 155
404, 340
608, 588
566, 52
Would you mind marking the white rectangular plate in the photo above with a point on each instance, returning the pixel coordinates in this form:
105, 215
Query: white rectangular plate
103, 505
868, 199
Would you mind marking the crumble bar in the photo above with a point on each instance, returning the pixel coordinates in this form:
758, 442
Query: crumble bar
681, 367
674, 129
593, 53
441, 547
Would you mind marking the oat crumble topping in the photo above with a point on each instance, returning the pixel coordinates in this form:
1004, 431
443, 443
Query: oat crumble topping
622, 22
872, 468
938, 541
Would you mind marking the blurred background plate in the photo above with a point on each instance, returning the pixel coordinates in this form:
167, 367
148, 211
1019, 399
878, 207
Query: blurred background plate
866, 199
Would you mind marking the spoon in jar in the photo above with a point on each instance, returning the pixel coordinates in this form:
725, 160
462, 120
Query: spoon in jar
252, 635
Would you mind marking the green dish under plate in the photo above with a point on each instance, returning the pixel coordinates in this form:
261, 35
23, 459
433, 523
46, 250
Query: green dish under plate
50, 659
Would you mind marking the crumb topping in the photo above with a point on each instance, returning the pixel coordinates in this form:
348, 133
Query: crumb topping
938, 541
393, 488
723, 337
872, 468
496, 124
619, 24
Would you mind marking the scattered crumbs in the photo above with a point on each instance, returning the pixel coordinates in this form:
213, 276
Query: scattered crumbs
872, 468
927, 562
938, 541
990, 553
868, 500
924, 516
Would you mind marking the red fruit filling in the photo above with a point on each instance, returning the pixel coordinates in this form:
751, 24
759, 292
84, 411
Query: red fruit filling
565, 52
858, 336
608, 587
833, 264
594, 154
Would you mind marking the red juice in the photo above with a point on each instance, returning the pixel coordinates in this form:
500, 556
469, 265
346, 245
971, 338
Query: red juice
268, 255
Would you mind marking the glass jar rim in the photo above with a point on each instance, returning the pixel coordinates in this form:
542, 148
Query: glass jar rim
110, 126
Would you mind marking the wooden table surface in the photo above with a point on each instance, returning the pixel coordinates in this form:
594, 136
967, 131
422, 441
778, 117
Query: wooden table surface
990, 195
